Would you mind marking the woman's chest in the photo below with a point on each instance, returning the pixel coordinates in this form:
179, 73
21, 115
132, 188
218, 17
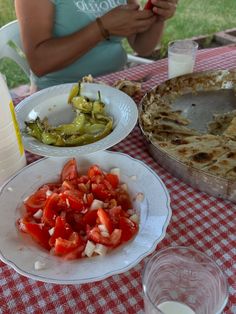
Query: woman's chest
96, 8
72, 15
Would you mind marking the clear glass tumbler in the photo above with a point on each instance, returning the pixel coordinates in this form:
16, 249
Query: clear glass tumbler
181, 57
182, 280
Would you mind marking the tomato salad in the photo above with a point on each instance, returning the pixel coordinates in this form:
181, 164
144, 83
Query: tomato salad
81, 215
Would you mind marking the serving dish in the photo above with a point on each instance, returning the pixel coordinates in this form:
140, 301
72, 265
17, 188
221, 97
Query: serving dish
52, 103
20, 252
199, 96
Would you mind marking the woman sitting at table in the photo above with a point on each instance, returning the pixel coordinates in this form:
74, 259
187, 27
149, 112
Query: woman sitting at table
65, 40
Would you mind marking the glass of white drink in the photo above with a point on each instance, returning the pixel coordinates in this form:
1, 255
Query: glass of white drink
181, 57
182, 280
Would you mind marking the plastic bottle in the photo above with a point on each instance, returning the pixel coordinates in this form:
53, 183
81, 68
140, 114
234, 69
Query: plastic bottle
12, 154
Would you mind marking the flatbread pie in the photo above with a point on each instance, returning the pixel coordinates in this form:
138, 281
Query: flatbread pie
214, 152
221, 122
199, 151
231, 129
224, 166
129, 87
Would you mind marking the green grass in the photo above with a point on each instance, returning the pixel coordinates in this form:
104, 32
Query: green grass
200, 17
193, 18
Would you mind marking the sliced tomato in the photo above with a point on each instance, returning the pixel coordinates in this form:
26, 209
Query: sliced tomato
148, 5
128, 227
66, 209
100, 192
94, 171
108, 185
99, 178
37, 200
123, 199
61, 230
90, 218
76, 253
50, 210
83, 179
53, 186
112, 179
115, 213
73, 199
67, 185
69, 171
105, 219
94, 235
64, 246
83, 187
89, 198
39, 233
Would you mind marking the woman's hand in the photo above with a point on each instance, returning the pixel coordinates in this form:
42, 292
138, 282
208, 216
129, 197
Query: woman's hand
164, 9
128, 20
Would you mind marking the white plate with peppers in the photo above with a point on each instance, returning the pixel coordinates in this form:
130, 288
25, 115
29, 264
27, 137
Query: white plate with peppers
75, 119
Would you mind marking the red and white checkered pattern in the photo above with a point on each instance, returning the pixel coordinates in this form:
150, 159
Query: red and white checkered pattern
198, 220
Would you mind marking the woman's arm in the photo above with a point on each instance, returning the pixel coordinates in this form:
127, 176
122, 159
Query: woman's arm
46, 53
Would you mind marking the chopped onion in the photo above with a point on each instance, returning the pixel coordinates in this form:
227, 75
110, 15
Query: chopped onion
26, 199
38, 214
116, 171
96, 204
102, 228
38, 265
48, 193
22, 225
124, 187
51, 231
130, 211
10, 189
85, 198
134, 178
63, 214
89, 249
139, 197
100, 249
105, 234
67, 202
134, 218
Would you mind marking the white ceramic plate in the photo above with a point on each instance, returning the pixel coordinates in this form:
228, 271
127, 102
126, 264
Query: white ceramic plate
20, 252
52, 103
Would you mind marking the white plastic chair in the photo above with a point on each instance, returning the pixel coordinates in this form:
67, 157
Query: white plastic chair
9, 33
135, 60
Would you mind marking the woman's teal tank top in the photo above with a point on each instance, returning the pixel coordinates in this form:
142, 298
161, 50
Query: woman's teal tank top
106, 57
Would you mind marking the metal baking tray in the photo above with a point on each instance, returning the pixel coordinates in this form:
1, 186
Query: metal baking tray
199, 96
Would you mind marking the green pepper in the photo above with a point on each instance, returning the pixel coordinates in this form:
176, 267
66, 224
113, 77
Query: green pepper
89, 138
52, 139
34, 128
102, 117
75, 127
94, 128
73, 92
81, 103
98, 105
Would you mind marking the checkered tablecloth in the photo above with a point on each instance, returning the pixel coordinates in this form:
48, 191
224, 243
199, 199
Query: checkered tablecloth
198, 220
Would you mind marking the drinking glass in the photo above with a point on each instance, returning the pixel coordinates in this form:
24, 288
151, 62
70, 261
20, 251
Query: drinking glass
182, 280
181, 57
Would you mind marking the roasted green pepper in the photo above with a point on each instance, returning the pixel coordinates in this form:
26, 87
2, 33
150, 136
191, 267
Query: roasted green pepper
91, 123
